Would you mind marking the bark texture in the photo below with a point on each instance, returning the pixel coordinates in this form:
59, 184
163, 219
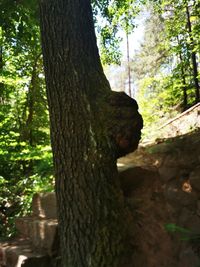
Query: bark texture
85, 147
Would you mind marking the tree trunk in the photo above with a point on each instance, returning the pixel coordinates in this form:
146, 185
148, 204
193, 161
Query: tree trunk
29, 108
128, 64
185, 96
193, 57
1, 69
85, 146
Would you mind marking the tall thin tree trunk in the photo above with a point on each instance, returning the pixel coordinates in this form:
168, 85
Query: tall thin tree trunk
27, 126
90, 204
128, 64
193, 57
1, 70
185, 96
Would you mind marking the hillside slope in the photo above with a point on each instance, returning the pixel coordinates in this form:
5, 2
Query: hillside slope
162, 183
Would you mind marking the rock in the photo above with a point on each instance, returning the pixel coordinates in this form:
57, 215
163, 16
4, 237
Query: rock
152, 244
19, 253
134, 177
138, 158
177, 197
36, 244
195, 178
189, 220
198, 208
171, 159
174, 198
22, 226
44, 205
193, 223
167, 173
41, 232
185, 159
188, 258
41, 226
185, 215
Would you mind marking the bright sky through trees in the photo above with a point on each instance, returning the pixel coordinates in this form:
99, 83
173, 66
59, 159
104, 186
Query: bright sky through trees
135, 38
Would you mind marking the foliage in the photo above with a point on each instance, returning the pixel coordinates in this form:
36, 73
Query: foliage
25, 154
17, 191
111, 17
163, 71
165, 67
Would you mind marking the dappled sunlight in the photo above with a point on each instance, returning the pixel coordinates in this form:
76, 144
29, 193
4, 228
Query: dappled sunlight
54, 97
186, 187
120, 164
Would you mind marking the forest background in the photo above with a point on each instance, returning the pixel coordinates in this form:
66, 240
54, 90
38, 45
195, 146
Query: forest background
164, 71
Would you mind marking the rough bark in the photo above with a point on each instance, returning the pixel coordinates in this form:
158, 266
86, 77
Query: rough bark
85, 147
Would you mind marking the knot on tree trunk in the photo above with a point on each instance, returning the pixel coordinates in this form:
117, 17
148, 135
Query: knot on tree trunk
125, 123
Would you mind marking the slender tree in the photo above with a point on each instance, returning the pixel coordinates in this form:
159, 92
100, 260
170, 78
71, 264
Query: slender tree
193, 56
183, 77
87, 136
